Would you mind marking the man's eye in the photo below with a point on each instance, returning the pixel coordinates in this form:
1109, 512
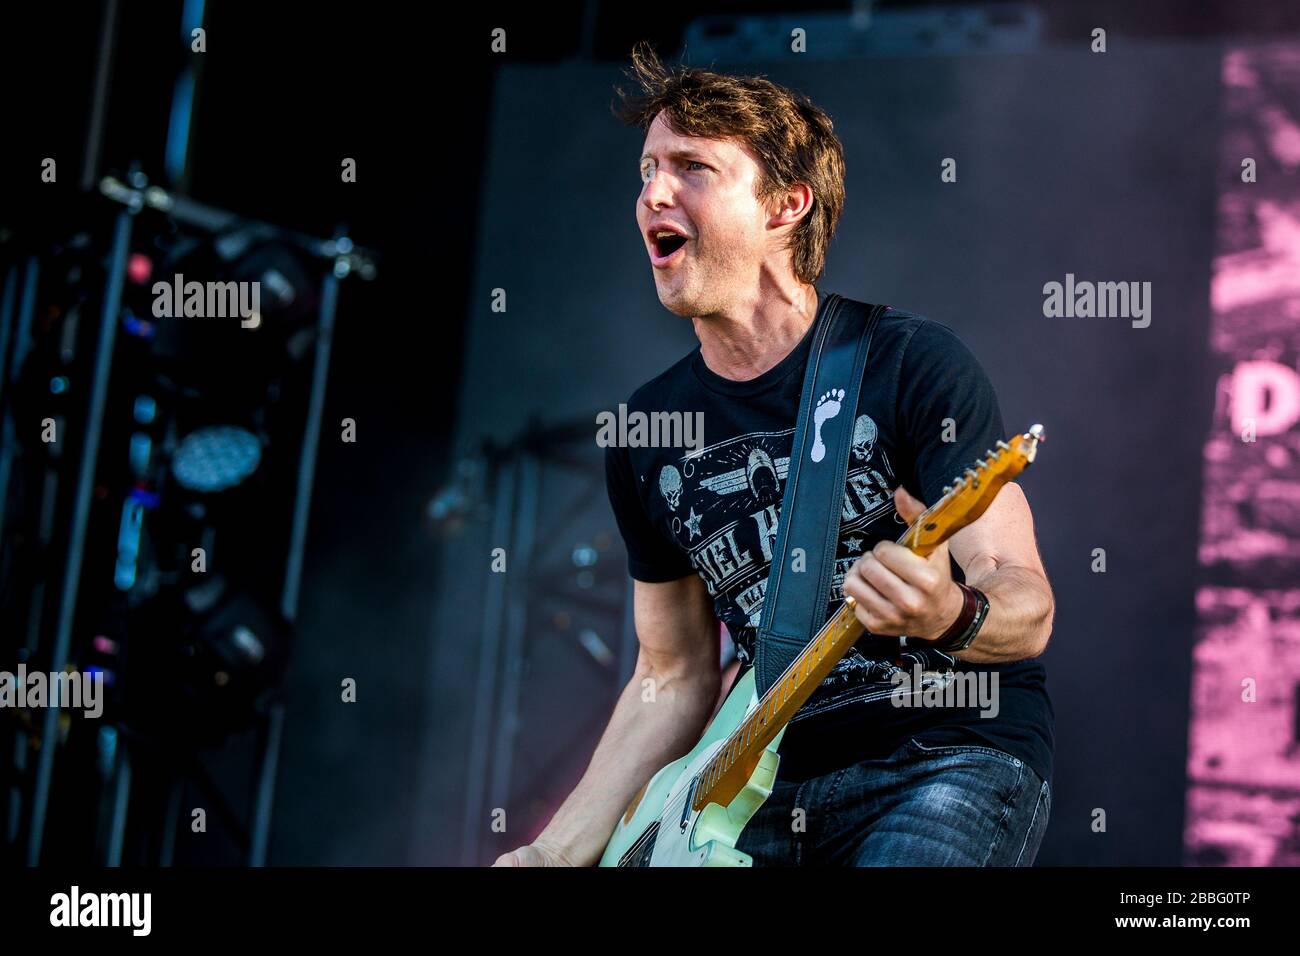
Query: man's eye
695, 162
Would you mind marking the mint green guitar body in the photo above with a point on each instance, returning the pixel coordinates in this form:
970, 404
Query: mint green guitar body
664, 831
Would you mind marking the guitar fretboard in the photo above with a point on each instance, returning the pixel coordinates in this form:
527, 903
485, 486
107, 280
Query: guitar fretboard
739, 755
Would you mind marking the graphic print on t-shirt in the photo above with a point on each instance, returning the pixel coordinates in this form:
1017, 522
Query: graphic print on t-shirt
722, 505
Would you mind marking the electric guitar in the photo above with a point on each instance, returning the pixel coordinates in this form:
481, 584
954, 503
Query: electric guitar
692, 811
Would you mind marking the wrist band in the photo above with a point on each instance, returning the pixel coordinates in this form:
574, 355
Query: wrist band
961, 634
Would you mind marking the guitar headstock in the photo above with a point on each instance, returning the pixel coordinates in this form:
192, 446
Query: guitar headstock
974, 490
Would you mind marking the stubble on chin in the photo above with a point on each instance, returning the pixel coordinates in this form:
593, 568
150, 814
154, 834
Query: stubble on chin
681, 311
677, 301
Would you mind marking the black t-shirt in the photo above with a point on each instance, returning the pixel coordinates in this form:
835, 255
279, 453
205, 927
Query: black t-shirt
926, 412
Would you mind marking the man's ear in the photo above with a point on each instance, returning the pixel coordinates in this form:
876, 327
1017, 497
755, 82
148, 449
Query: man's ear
792, 205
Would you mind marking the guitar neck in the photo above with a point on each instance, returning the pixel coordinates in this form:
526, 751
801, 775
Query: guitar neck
732, 766
962, 503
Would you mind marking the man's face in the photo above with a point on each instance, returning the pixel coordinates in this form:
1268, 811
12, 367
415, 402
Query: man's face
703, 190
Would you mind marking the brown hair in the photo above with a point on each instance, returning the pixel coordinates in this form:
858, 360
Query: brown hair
792, 137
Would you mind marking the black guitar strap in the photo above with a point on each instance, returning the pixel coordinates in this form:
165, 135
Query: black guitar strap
803, 560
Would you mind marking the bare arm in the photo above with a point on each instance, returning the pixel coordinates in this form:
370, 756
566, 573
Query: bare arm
899, 592
678, 660
999, 555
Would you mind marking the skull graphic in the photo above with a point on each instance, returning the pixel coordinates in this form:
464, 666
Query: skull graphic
670, 486
864, 437
761, 473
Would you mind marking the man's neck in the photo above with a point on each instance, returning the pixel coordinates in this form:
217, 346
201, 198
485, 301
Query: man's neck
746, 343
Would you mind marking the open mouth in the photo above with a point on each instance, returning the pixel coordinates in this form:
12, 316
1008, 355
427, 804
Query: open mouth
667, 245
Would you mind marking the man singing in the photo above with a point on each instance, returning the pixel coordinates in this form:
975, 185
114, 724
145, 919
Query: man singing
742, 186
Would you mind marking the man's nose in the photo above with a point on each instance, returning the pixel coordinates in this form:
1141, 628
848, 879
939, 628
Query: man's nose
657, 192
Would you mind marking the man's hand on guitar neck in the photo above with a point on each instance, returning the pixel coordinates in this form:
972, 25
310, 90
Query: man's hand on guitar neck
900, 592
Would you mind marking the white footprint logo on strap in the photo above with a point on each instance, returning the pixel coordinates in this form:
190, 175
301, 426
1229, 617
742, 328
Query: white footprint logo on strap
828, 406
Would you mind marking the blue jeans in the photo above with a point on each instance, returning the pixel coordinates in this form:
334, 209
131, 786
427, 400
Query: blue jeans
921, 806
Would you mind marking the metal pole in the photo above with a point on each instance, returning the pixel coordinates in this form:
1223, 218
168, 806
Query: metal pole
176, 157
263, 801
121, 802
310, 442
99, 99
272, 731
494, 602
7, 437
8, 449
521, 555
6, 331
9, 373
81, 516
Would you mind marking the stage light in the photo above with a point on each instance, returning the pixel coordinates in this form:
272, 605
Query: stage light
216, 458
139, 268
140, 453
236, 652
145, 409
138, 328
128, 544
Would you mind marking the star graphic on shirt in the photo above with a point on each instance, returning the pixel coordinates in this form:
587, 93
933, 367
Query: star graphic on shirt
855, 544
693, 525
